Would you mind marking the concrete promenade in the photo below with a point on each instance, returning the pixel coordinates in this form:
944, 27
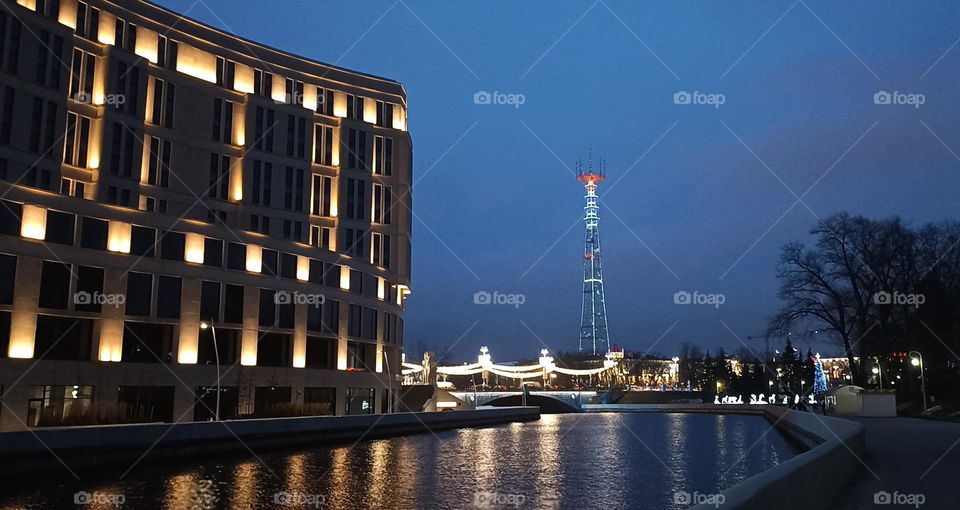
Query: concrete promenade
907, 456
59, 451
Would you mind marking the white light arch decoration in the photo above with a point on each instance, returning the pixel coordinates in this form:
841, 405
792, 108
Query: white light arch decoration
542, 368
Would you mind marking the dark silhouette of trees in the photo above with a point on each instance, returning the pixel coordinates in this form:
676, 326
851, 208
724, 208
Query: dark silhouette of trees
877, 286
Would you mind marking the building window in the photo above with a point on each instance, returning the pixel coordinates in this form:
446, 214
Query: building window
219, 176
143, 241
88, 21
82, 71
293, 91
55, 280
43, 125
322, 145
126, 35
10, 40
172, 245
93, 233
226, 72
380, 250
59, 405
320, 195
260, 224
158, 167
353, 242
166, 53
293, 189
212, 252
383, 155
384, 114
222, 121
382, 204
164, 99
6, 122
296, 136
168, 297
360, 401
76, 140
325, 101
37, 178
355, 198
320, 236
123, 145
263, 129
89, 289
126, 88
236, 256
262, 83
355, 146
262, 183
61, 227
49, 57
354, 107
292, 230
139, 294
72, 188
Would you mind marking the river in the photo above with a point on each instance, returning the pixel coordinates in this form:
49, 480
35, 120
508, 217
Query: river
580, 461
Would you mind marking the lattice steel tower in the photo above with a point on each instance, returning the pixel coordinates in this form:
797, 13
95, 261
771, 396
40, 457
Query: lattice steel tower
593, 317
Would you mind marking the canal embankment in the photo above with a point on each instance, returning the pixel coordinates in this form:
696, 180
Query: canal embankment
835, 449
62, 450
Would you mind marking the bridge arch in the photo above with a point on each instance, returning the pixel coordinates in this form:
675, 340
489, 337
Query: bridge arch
547, 403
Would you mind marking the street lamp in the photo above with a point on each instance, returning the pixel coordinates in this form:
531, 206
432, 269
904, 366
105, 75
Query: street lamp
216, 353
876, 370
916, 359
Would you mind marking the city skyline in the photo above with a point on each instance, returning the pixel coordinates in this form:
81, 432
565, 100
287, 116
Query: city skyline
701, 196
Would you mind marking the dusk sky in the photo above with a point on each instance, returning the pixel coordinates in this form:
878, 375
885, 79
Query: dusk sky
698, 198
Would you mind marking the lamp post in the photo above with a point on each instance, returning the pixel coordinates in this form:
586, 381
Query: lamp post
916, 359
879, 373
216, 353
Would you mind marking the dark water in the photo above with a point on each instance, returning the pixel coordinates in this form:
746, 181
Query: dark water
577, 461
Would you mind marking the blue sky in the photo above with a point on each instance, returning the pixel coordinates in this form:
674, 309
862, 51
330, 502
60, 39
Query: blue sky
698, 198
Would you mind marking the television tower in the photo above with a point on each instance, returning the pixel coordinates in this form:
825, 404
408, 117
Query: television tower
593, 317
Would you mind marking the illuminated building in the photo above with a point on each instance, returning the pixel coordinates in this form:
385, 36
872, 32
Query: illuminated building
158, 175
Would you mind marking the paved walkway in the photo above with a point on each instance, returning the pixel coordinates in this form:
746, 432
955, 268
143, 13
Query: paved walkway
907, 456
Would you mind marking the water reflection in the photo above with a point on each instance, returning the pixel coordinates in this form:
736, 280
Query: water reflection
568, 461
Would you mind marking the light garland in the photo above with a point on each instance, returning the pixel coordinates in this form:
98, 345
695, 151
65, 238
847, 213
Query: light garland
485, 364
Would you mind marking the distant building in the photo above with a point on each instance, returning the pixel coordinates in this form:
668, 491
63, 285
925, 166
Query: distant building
157, 176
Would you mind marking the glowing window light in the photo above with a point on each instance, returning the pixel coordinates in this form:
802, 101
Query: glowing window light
381, 288
193, 251
344, 277
340, 104
146, 43
243, 79
118, 239
34, 223
303, 268
370, 111
254, 258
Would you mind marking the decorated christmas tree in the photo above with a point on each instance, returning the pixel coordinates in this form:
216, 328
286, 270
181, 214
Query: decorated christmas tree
819, 377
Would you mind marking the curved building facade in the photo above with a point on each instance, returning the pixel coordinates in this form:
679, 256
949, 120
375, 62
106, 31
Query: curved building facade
179, 205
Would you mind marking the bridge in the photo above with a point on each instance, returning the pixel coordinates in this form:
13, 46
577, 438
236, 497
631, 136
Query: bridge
548, 401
